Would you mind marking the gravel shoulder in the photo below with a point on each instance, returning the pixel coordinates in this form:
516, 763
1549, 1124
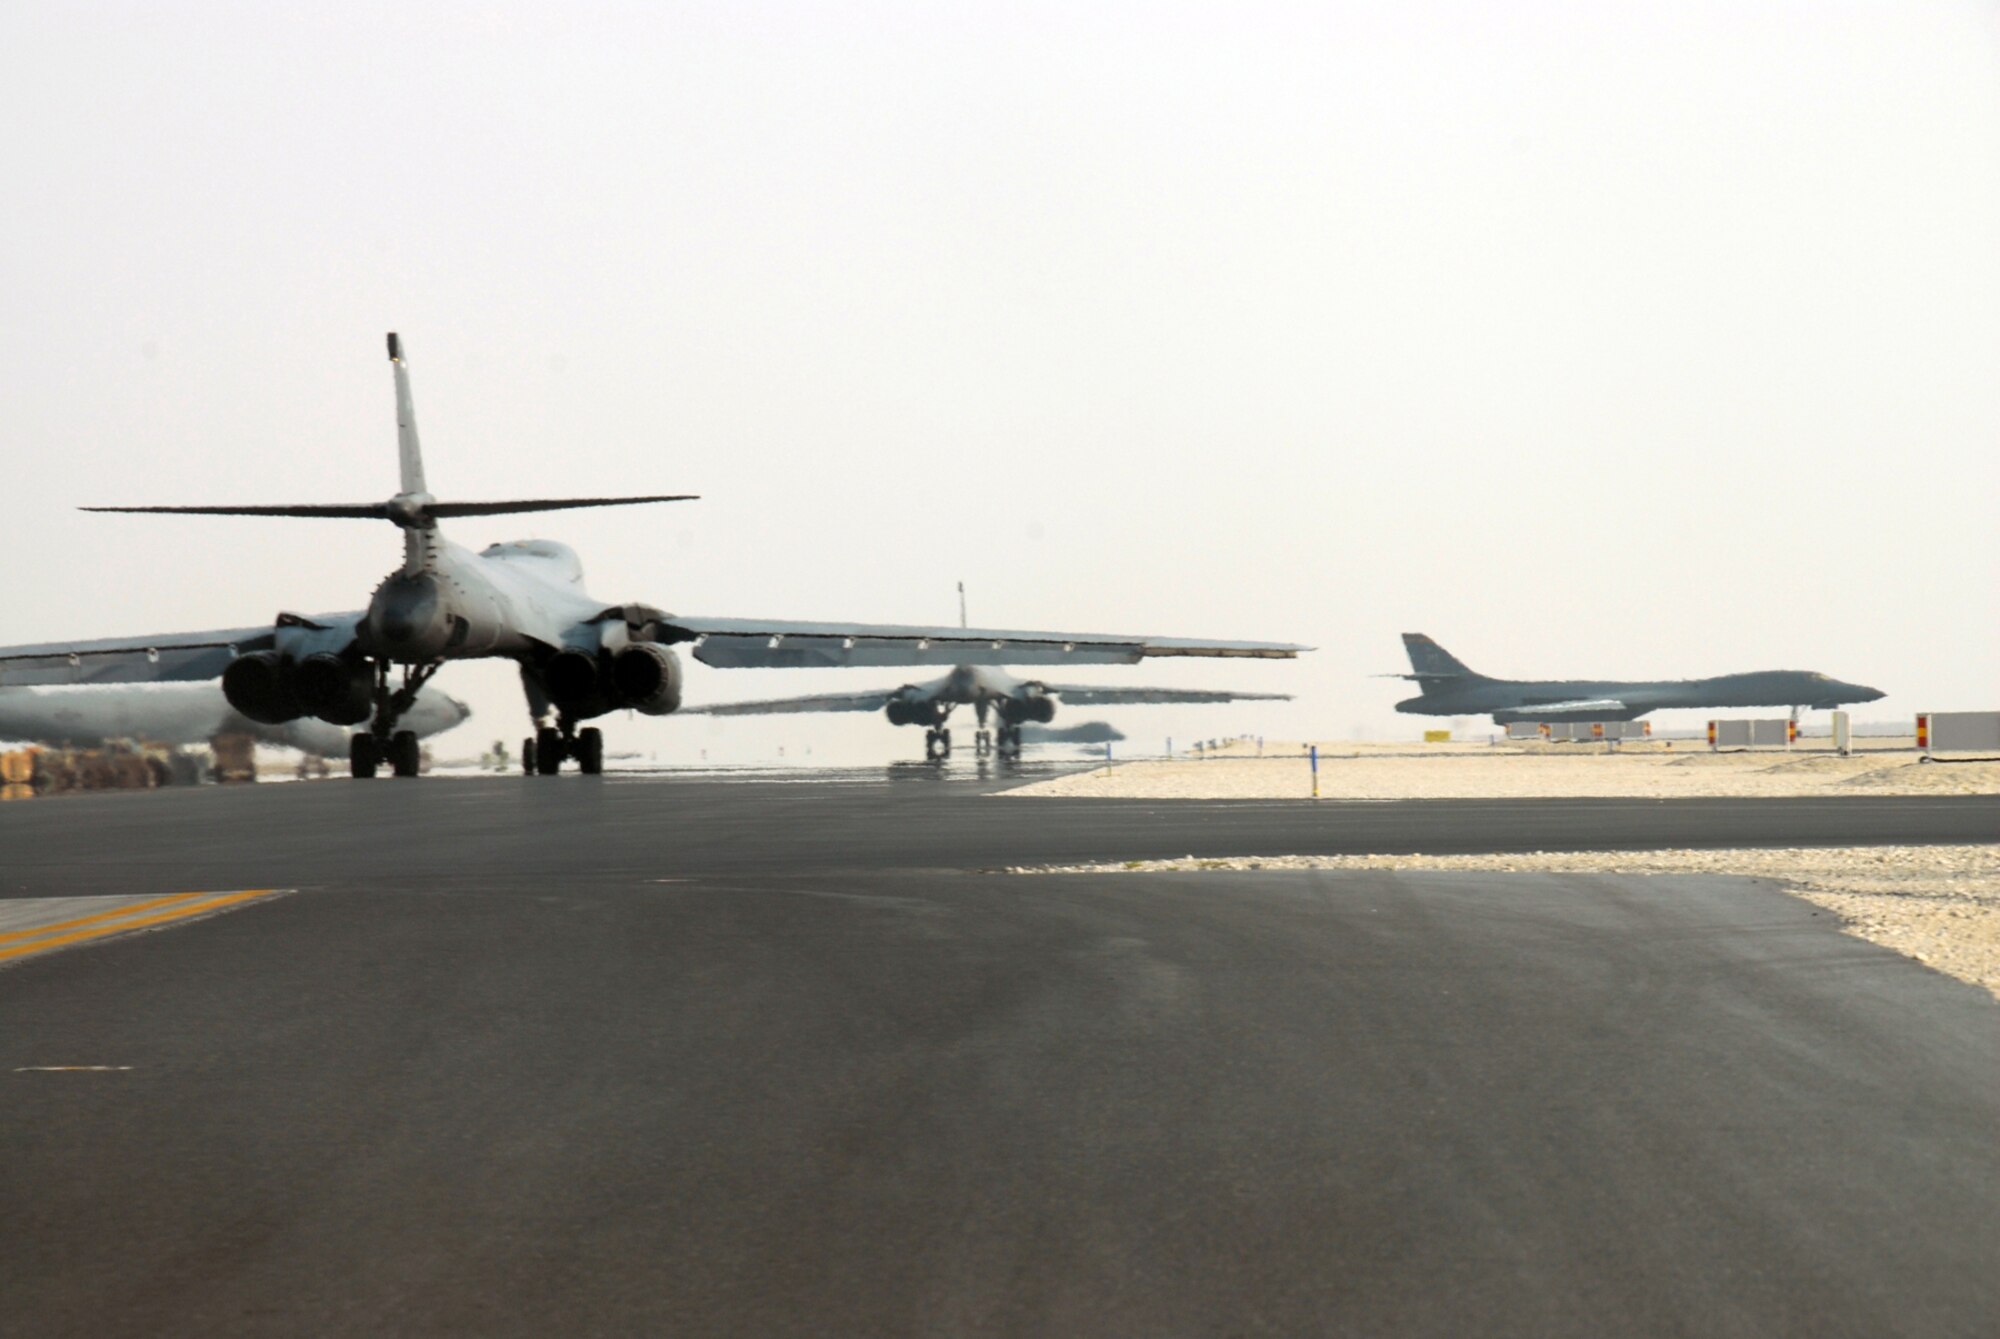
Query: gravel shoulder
1470, 772
1937, 904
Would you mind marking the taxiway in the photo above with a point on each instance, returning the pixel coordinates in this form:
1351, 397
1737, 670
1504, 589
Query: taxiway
656, 1055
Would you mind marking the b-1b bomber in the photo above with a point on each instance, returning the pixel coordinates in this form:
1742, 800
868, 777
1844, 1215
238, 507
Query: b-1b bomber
579, 657
987, 690
1448, 688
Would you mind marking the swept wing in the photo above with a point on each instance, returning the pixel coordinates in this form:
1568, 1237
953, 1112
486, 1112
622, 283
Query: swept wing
777, 706
743, 643
165, 657
1540, 710
731, 643
1105, 695
173, 656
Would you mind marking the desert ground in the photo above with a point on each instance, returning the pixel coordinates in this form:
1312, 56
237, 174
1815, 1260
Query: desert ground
1653, 769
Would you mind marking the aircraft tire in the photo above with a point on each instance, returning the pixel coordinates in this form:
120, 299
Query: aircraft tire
362, 756
548, 751
527, 757
937, 745
403, 755
590, 751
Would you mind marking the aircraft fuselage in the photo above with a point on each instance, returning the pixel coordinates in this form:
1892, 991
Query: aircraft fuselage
1516, 699
181, 713
451, 603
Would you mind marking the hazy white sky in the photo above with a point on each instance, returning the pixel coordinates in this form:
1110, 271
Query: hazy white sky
1606, 340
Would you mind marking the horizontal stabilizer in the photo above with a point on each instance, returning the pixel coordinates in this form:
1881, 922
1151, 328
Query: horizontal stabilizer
430, 511
548, 504
359, 511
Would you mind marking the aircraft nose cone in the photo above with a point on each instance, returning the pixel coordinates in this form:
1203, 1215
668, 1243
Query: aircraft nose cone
1873, 695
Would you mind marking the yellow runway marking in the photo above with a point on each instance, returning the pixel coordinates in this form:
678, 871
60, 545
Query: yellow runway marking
119, 922
37, 932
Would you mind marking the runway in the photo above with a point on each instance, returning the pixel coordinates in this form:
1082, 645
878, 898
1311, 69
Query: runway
900, 817
650, 1056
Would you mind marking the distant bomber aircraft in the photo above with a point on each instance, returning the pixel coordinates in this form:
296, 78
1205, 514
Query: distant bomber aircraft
524, 601
985, 690
183, 713
1450, 689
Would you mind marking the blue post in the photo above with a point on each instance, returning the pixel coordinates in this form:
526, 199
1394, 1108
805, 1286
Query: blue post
1315, 767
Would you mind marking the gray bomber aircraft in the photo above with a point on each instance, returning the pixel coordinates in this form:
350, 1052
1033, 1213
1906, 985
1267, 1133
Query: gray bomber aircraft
985, 690
1450, 689
579, 658
184, 713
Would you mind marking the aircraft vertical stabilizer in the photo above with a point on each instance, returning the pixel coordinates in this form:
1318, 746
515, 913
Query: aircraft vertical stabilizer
413, 508
411, 450
1428, 660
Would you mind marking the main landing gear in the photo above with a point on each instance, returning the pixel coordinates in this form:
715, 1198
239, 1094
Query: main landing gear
1004, 742
365, 754
554, 745
382, 744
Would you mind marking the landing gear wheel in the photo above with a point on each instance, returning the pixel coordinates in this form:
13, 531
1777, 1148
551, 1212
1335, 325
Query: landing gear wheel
937, 745
590, 751
527, 757
362, 756
982, 743
403, 754
548, 750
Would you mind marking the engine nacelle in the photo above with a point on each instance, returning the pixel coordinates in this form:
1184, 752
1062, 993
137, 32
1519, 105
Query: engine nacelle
647, 677
260, 686
1037, 707
338, 691
906, 709
573, 683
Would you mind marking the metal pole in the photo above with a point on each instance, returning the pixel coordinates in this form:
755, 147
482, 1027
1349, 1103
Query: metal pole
1315, 768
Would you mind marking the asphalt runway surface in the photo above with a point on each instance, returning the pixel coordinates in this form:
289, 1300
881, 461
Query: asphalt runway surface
532, 1056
